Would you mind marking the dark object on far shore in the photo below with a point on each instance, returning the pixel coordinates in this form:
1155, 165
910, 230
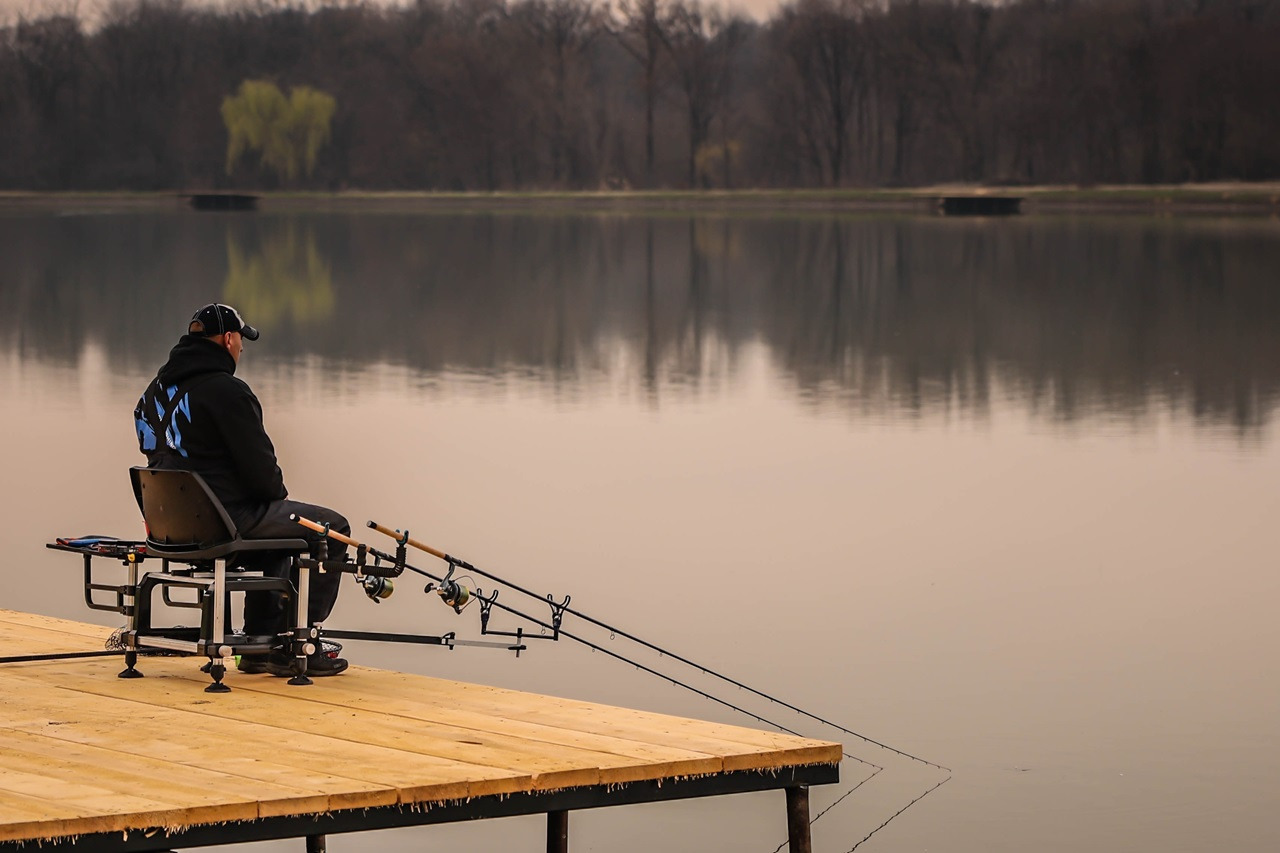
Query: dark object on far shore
980, 205
223, 201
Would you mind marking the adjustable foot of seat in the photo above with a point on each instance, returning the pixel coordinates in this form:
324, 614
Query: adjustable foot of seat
130, 660
300, 672
217, 670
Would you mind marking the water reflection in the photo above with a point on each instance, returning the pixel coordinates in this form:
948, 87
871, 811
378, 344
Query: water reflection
889, 317
1080, 627
282, 278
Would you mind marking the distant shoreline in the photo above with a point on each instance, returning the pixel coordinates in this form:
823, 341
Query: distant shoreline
1250, 198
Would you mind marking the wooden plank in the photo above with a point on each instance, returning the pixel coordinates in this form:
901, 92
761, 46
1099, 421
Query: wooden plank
336, 708
344, 706
752, 749
567, 712
24, 817
22, 640
205, 741
160, 780
688, 750
426, 708
551, 766
42, 625
108, 808
658, 729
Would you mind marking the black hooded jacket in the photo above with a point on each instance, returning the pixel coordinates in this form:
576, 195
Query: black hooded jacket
197, 416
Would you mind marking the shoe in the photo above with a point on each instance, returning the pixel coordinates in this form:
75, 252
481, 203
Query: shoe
327, 661
319, 665
252, 664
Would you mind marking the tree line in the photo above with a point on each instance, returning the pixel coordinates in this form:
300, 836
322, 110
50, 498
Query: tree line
580, 94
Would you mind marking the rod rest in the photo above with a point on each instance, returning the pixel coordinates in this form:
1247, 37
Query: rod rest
388, 570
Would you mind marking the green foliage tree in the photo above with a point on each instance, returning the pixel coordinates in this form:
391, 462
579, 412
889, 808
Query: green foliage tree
287, 133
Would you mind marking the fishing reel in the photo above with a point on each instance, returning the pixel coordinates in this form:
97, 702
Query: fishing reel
377, 585
376, 588
452, 593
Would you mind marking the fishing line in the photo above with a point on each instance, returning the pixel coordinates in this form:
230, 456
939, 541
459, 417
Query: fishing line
619, 632
492, 602
565, 608
703, 693
561, 608
838, 801
898, 812
705, 670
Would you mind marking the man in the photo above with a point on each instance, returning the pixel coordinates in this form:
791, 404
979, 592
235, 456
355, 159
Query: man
196, 415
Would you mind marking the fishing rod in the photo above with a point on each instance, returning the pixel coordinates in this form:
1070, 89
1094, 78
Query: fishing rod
376, 580
402, 538
449, 590
60, 656
559, 609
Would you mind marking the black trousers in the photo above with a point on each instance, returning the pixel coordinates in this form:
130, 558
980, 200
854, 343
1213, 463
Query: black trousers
267, 612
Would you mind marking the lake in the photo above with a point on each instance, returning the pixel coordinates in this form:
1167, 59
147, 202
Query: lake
999, 494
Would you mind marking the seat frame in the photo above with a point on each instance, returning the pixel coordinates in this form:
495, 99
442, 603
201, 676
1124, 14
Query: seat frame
192, 534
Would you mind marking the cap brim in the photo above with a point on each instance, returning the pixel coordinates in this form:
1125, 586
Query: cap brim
248, 332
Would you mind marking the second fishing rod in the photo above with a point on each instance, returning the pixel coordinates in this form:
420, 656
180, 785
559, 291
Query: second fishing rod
559, 609
450, 591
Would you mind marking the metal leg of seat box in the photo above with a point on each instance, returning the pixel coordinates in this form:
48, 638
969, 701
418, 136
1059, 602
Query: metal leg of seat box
302, 633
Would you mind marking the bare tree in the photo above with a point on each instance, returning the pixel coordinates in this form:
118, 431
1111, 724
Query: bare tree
640, 31
47, 58
702, 42
820, 40
562, 30
487, 94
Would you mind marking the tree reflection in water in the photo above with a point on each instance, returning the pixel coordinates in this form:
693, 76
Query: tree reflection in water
281, 278
889, 316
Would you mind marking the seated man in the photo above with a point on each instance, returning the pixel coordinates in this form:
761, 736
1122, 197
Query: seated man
197, 416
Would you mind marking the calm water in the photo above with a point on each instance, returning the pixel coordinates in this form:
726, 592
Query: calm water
996, 493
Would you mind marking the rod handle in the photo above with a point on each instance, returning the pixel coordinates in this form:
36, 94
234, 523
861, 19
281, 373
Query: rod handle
396, 535
320, 528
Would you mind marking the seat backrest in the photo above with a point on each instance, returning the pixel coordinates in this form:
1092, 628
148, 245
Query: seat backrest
180, 509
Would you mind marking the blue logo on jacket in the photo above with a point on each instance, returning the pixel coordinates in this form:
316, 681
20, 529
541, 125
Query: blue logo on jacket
147, 428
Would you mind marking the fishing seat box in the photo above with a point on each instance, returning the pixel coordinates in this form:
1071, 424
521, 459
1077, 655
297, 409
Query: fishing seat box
191, 533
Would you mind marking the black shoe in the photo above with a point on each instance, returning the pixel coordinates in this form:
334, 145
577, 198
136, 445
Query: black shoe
319, 665
252, 664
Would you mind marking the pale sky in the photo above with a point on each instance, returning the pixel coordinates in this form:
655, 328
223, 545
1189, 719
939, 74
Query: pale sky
11, 9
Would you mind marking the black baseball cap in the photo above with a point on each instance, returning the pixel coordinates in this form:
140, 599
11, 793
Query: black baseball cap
218, 319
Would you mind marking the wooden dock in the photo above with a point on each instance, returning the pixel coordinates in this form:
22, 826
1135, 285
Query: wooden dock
223, 201
980, 205
158, 764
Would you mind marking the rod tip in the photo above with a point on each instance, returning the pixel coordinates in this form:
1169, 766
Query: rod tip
371, 523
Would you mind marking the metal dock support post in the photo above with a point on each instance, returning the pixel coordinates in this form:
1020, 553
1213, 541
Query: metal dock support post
558, 832
798, 838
